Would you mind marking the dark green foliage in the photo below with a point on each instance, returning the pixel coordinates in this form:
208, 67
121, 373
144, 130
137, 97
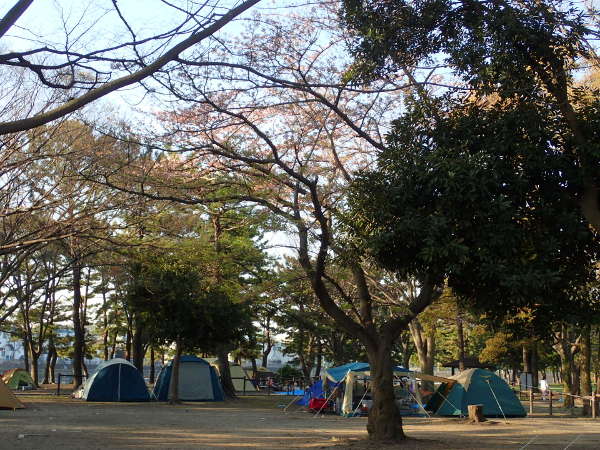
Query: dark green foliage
288, 372
176, 301
480, 195
490, 44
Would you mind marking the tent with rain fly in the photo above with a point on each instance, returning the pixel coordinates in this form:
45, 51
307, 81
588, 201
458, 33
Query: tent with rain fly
198, 381
8, 400
18, 379
346, 378
238, 374
476, 387
116, 380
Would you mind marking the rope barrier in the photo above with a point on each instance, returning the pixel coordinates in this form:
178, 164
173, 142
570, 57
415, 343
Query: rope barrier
562, 392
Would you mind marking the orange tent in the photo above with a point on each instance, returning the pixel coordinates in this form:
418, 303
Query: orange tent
8, 400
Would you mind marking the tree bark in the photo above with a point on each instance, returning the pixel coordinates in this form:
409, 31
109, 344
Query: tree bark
460, 339
49, 357
384, 422
128, 345
319, 359
534, 365
137, 346
174, 386
53, 367
586, 369
526, 359
25, 341
425, 346
34, 365
152, 363
78, 343
226, 381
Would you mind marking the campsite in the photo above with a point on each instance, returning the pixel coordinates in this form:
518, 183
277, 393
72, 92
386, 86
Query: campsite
258, 422
300, 224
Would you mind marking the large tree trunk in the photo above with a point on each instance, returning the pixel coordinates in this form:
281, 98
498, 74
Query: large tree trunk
526, 359
586, 369
460, 339
46, 378
128, 345
319, 359
34, 365
105, 323
535, 381
385, 422
53, 367
404, 341
78, 344
425, 346
25, 341
566, 347
226, 381
174, 386
138, 348
152, 363
49, 357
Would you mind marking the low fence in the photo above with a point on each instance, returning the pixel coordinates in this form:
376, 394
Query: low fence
67, 375
530, 394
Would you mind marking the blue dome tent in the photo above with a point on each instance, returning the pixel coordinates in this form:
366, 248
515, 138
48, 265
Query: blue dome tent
116, 380
198, 381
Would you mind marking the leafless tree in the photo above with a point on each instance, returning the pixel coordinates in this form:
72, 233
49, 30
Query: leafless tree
271, 117
84, 72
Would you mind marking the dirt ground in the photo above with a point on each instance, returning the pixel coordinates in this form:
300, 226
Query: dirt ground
51, 422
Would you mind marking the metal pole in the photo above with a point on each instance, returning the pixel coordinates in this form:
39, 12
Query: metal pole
58, 385
594, 412
531, 401
550, 402
244, 385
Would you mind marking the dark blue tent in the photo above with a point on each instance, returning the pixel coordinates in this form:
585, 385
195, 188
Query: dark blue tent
116, 380
198, 381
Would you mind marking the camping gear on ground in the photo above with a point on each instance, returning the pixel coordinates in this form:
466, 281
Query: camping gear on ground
8, 400
198, 381
474, 387
18, 379
352, 396
116, 380
319, 404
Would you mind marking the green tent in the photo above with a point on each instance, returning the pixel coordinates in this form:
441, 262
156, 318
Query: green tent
17, 379
476, 387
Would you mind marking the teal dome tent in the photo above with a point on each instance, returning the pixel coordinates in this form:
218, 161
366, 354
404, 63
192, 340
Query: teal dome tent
476, 387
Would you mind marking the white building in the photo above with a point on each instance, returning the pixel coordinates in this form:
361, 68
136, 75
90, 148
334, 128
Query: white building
10, 349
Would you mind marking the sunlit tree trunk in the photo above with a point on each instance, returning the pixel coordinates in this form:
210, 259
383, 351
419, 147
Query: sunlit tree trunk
384, 422
78, 344
174, 386
226, 381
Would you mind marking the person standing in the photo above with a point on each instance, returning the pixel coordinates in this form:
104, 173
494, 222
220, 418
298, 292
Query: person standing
543, 384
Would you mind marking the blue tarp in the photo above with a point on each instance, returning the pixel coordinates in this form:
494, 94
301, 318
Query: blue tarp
338, 374
314, 391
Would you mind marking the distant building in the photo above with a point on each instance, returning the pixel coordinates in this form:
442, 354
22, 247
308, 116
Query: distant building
10, 349
276, 359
